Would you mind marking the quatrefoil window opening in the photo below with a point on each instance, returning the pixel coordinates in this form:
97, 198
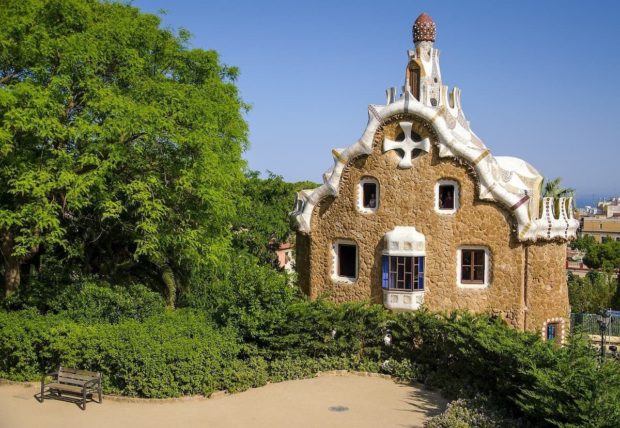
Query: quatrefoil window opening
408, 144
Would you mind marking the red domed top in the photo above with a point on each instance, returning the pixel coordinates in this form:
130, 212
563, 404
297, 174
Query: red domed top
424, 29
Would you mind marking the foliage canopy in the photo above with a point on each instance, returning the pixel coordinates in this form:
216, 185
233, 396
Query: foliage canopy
120, 147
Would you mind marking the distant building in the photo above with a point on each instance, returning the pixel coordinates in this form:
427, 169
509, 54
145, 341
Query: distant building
602, 222
574, 262
285, 255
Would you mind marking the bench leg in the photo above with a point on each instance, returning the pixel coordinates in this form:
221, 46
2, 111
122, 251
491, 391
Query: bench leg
100, 397
84, 399
42, 391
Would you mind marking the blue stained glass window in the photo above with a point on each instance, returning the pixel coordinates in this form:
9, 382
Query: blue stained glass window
403, 273
551, 331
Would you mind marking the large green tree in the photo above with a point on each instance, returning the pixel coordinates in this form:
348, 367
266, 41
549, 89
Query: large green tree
120, 147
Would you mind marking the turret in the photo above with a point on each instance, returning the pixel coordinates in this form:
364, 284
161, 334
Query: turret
423, 76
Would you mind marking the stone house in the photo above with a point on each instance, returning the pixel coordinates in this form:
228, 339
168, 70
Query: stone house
419, 212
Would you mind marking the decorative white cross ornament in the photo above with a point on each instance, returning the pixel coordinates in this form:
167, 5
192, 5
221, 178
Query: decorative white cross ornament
407, 145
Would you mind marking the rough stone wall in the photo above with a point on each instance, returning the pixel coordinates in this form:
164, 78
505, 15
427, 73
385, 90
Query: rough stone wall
547, 290
407, 198
302, 262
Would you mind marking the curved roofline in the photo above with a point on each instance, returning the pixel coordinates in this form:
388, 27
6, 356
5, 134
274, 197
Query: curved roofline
455, 139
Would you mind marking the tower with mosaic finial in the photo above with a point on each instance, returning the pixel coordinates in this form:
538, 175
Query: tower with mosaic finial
423, 75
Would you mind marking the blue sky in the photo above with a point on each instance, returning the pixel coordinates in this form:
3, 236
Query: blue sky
540, 80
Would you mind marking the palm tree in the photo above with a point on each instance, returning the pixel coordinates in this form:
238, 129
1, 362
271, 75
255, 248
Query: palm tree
553, 189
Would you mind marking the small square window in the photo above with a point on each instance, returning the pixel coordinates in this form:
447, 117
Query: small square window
473, 267
446, 196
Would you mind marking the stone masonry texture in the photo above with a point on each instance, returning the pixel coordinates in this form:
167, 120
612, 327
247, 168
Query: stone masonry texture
518, 271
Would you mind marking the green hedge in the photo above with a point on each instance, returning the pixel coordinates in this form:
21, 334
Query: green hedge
186, 352
168, 355
176, 353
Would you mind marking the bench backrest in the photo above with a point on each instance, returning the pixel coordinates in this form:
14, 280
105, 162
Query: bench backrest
76, 377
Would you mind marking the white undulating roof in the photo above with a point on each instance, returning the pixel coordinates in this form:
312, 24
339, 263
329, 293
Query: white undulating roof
508, 181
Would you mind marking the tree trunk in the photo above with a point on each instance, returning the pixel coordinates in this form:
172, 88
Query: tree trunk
12, 264
167, 276
12, 275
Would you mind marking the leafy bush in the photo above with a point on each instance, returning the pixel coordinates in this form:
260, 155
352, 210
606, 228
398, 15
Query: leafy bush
402, 369
24, 338
576, 391
471, 413
251, 298
452, 351
240, 375
95, 302
168, 355
304, 367
320, 329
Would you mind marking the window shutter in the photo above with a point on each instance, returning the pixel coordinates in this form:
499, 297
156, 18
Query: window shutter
421, 273
386, 272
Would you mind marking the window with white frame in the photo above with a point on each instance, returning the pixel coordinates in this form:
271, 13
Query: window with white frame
345, 262
368, 195
473, 267
446, 196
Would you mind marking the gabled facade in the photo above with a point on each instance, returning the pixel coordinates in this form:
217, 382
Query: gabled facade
419, 212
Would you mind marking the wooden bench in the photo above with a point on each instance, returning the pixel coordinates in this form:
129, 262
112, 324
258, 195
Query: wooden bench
73, 381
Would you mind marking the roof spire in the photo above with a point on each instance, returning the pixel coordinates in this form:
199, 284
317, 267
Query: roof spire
424, 29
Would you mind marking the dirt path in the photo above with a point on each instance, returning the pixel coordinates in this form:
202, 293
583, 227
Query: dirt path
325, 401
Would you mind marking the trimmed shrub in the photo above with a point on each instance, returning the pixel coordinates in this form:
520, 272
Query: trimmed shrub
99, 303
302, 368
240, 375
173, 354
322, 329
24, 339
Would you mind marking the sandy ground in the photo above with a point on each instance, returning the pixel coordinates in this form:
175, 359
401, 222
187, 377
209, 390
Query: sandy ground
326, 401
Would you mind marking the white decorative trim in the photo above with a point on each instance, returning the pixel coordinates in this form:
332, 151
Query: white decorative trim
455, 195
403, 300
454, 140
344, 279
562, 333
360, 195
404, 241
407, 146
487, 267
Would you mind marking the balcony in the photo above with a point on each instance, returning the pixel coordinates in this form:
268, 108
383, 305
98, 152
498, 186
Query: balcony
403, 300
